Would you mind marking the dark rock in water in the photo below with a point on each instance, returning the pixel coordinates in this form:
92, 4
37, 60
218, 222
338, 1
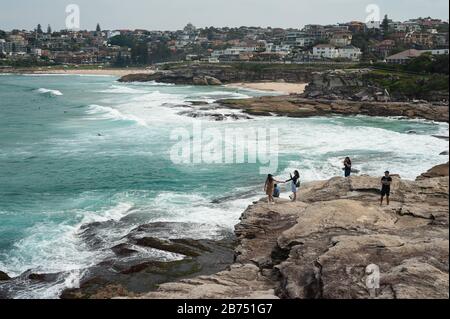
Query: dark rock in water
163, 268
4, 276
444, 153
37, 277
411, 132
139, 265
123, 250
167, 245
215, 116
175, 230
442, 137
198, 103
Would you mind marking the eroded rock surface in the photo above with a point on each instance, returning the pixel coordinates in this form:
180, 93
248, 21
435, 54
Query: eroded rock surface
322, 246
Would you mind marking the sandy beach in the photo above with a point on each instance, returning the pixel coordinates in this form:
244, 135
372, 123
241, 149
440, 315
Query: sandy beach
287, 88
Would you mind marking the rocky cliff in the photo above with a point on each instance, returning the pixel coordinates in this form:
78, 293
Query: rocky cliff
345, 85
371, 85
326, 245
210, 74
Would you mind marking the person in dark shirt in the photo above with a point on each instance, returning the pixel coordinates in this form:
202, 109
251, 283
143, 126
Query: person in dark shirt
386, 182
348, 167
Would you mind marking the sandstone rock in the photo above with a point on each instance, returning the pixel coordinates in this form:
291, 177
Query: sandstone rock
240, 282
322, 247
437, 171
298, 106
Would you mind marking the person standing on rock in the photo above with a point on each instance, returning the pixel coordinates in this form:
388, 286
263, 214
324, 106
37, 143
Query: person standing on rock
347, 166
269, 188
295, 185
386, 182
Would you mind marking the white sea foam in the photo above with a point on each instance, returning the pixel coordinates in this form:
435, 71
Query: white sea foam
49, 92
183, 207
50, 247
150, 83
117, 89
106, 112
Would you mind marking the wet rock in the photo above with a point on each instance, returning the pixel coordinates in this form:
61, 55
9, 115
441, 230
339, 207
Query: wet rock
4, 276
149, 255
37, 277
198, 103
444, 153
442, 137
215, 116
167, 245
123, 250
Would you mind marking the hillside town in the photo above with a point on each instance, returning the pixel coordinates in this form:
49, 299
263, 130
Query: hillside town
385, 41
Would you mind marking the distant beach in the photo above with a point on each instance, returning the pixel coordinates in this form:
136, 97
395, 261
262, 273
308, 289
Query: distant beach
282, 87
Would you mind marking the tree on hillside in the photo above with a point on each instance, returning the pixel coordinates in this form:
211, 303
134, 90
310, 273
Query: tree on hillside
39, 29
98, 29
440, 64
122, 41
49, 29
385, 25
139, 53
421, 64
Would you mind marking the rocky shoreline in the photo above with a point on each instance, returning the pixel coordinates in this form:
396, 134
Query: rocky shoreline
320, 247
342, 92
298, 106
316, 248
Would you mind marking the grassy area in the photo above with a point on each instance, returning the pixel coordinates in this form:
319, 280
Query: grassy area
400, 83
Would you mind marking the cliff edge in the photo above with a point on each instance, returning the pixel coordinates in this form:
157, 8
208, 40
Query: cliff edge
322, 246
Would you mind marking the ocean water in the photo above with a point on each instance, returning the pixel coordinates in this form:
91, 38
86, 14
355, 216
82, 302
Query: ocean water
81, 149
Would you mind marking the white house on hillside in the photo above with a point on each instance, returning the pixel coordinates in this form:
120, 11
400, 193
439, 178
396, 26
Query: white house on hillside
325, 51
350, 52
328, 51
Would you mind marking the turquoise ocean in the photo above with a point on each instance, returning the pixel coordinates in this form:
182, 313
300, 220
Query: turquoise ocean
80, 149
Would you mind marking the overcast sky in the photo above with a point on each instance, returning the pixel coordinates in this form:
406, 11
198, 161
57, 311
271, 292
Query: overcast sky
174, 14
